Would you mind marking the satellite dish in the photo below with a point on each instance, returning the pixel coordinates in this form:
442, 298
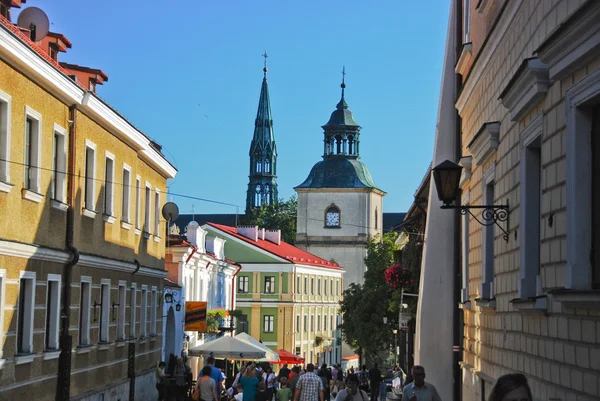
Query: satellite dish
36, 21
170, 211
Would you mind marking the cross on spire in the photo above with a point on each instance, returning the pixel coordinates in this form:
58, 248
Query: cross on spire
343, 85
265, 55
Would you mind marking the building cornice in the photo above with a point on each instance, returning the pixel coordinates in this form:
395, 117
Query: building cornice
573, 43
526, 88
466, 56
31, 64
484, 142
342, 190
466, 162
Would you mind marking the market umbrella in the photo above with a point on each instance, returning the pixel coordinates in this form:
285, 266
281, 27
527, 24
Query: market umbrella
228, 347
288, 357
270, 355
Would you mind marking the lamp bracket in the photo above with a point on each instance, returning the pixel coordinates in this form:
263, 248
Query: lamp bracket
490, 215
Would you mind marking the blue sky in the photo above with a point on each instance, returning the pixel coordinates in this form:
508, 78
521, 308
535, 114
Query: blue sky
189, 76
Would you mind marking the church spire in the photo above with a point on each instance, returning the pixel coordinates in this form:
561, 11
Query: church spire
262, 186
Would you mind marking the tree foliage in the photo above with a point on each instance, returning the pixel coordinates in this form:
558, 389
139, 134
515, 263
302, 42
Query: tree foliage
364, 306
280, 215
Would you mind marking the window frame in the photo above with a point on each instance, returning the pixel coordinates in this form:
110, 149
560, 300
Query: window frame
121, 318
305, 321
269, 282
332, 209
33, 182
144, 312
138, 203
147, 215
25, 333
157, 212
109, 186
59, 164
133, 311
305, 285
104, 326
52, 318
488, 236
268, 323
85, 304
5, 139
312, 286
465, 220
298, 324
243, 282
153, 306
126, 195
89, 189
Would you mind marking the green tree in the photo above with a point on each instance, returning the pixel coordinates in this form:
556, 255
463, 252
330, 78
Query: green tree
364, 306
280, 215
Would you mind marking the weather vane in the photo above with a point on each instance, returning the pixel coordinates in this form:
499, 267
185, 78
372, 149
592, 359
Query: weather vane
343, 75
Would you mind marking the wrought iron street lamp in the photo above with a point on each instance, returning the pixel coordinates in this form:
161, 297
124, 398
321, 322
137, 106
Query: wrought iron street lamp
447, 178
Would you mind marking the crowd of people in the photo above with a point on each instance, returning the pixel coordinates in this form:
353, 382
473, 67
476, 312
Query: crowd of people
258, 382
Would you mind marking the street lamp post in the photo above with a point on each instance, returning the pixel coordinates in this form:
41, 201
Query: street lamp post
395, 331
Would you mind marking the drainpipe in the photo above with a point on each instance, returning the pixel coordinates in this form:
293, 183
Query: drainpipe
63, 384
233, 292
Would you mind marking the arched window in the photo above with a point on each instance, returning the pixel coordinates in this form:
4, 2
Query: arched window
257, 196
350, 145
332, 217
267, 193
267, 165
338, 145
376, 218
258, 167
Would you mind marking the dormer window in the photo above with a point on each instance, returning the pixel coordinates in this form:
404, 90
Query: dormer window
53, 53
92, 86
332, 217
4, 10
73, 77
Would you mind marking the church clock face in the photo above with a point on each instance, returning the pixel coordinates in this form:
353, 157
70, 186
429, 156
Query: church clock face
332, 219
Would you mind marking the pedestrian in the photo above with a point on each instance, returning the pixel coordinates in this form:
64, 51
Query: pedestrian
375, 380
215, 374
309, 386
284, 372
510, 387
206, 385
239, 393
352, 392
294, 377
269, 380
326, 390
161, 380
363, 379
419, 389
249, 383
180, 373
284, 393
263, 394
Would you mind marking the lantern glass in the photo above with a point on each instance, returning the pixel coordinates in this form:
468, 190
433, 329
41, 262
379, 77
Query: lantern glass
384, 320
447, 178
168, 298
178, 307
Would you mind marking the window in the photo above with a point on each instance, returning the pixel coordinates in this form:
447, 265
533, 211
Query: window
531, 196
243, 284
59, 164
376, 218
137, 202
332, 324
153, 305
325, 285
312, 323
84, 310
325, 322
464, 294
92, 86
144, 312
269, 284
147, 209
298, 324
268, 323
5, 115
25, 313
109, 182
487, 285
104, 309
306, 285
33, 150
312, 286
52, 311
466, 20
90, 176
298, 285
132, 311
305, 323
319, 286
331, 287
318, 323
126, 193
156, 213
332, 217
122, 305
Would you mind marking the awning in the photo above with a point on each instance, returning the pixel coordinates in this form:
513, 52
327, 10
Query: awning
228, 347
288, 357
270, 355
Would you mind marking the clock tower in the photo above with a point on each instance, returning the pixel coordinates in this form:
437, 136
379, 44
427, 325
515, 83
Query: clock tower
339, 206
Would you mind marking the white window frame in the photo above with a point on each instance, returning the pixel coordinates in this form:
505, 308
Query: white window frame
126, 195
36, 145
466, 218
153, 306
132, 311
487, 238
122, 308
148, 201
109, 184
157, 212
268, 323
271, 285
85, 303
28, 322
89, 193
144, 312
52, 320
59, 176
5, 134
104, 331
530, 283
2, 303
138, 202
467, 20
243, 284
578, 271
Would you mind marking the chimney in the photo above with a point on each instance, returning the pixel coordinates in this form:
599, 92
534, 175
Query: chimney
195, 236
250, 232
216, 246
273, 236
261, 233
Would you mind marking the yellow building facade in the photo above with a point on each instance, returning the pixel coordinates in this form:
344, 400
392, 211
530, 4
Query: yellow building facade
81, 237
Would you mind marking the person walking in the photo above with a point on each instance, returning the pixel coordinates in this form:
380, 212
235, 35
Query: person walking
309, 386
269, 380
352, 392
363, 379
206, 385
419, 389
284, 372
375, 380
249, 383
512, 386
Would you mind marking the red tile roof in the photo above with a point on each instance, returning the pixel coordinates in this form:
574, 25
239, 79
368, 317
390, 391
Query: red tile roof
283, 250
